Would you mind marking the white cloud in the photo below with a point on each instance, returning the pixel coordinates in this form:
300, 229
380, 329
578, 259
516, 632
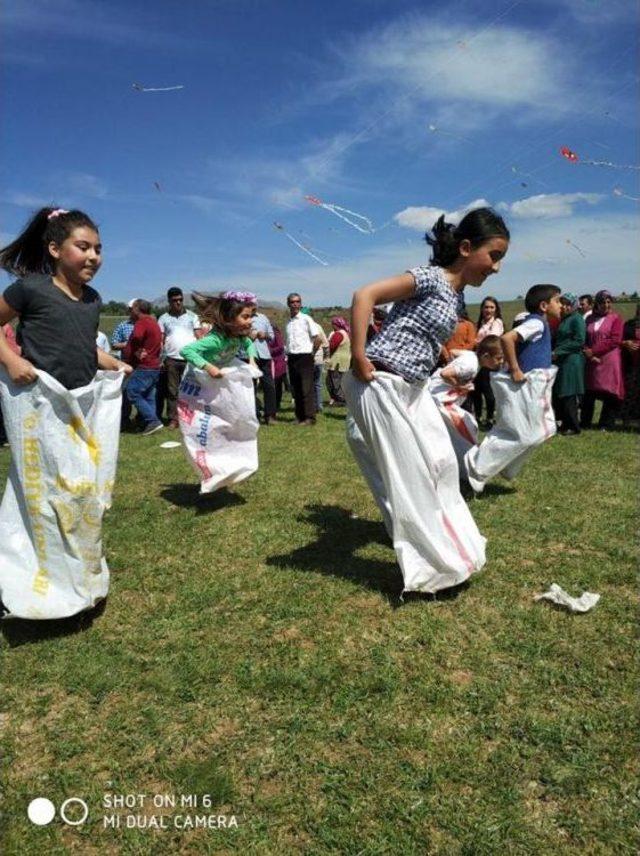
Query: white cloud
422, 218
85, 184
548, 205
429, 62
25, 200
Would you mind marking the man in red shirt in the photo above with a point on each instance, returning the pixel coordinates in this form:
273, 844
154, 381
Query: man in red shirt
143, 353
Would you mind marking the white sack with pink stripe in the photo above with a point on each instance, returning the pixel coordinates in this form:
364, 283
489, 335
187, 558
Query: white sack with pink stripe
525, 420
401, 444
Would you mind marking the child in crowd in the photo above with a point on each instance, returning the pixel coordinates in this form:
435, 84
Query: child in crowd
230, 316
218, 421
451, 385
394, 428
489, 324
525, 415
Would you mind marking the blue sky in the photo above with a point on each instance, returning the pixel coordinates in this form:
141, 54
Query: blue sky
334, 99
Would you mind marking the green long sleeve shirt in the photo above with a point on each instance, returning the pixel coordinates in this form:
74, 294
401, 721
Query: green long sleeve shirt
216, 349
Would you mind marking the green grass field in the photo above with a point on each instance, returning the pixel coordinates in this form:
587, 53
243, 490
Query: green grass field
254, 649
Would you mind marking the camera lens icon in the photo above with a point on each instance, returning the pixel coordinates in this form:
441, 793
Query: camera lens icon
73, 811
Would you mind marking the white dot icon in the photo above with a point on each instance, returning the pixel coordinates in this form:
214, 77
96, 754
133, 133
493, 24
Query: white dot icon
41, 811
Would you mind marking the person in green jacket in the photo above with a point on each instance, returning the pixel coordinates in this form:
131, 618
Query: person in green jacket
569, 386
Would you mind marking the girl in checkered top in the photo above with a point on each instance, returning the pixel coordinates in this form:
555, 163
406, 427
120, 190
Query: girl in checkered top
394, 428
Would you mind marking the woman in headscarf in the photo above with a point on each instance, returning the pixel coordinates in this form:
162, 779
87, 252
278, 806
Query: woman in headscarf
570, 359
339, 359
631, 367
604, 363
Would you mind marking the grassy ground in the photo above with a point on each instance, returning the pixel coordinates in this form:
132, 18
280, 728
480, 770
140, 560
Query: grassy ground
254, 649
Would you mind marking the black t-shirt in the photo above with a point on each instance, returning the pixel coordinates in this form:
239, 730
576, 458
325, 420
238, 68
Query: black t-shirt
57, 334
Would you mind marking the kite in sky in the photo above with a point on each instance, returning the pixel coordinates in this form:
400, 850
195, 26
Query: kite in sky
304, 248
576, 247
140, 88
618, 191
358, 221
519, 172
574, 158
436, 130
156, 184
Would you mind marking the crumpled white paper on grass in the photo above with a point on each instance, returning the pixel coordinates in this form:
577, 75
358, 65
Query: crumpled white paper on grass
584, 603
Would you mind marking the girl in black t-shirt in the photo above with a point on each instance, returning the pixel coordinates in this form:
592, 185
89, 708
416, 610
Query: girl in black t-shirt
56, 257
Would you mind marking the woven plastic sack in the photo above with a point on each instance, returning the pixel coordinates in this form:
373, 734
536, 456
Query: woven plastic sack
219, 425
461, 425
402, 447
525, 420
64, 450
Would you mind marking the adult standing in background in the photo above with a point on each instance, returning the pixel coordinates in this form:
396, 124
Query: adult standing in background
604, 362
339, 359
143, 353
262, 335
318, 360
631, 367
119, 340
301, 343
569, 357
180, 326
279, 357
586, 305
489, 324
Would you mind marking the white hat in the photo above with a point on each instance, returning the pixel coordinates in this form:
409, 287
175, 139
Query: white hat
132, 301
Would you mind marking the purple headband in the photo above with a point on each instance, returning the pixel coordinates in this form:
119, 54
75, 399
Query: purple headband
240, 296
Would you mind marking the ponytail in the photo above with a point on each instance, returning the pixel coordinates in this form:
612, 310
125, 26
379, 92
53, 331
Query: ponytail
222, 310
477, 226
29, 253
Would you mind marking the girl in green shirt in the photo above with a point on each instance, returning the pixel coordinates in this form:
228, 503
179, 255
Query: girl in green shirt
230, 317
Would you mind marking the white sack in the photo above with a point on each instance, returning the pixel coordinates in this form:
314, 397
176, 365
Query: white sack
219, 424
525, 420
405, 454
584, 603
64, 450
461, 425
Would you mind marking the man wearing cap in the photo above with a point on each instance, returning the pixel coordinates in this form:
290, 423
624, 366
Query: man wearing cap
179, 327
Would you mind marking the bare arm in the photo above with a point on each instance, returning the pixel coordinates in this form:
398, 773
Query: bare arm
109, 363
364, 299
19, 370
509, 341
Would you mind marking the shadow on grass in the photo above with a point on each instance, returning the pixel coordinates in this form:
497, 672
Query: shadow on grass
186, 495
496, 489
333, 552
23, 631
339, 413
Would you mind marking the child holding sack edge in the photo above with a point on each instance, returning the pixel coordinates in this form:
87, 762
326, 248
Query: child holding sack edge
523, 397
394, 428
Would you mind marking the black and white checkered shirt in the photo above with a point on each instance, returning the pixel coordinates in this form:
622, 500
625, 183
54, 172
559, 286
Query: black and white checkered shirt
415, 329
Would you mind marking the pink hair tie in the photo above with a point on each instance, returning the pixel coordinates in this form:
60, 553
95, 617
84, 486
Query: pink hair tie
240, 296
56, 213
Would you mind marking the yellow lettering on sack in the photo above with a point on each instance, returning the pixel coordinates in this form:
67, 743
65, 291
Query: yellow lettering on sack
79, 431
33, 499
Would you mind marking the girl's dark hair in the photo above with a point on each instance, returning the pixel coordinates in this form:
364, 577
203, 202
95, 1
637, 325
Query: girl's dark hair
29, 253
498, 309
477, 226
218, 310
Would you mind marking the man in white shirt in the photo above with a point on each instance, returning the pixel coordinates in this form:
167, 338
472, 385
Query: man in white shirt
301, 343
179, 327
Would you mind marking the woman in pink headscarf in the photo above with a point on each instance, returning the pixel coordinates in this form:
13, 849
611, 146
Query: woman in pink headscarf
604, 378
339, 359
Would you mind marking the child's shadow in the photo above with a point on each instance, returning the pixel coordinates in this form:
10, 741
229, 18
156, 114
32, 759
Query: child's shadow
24, 631
333, 553
186, 496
